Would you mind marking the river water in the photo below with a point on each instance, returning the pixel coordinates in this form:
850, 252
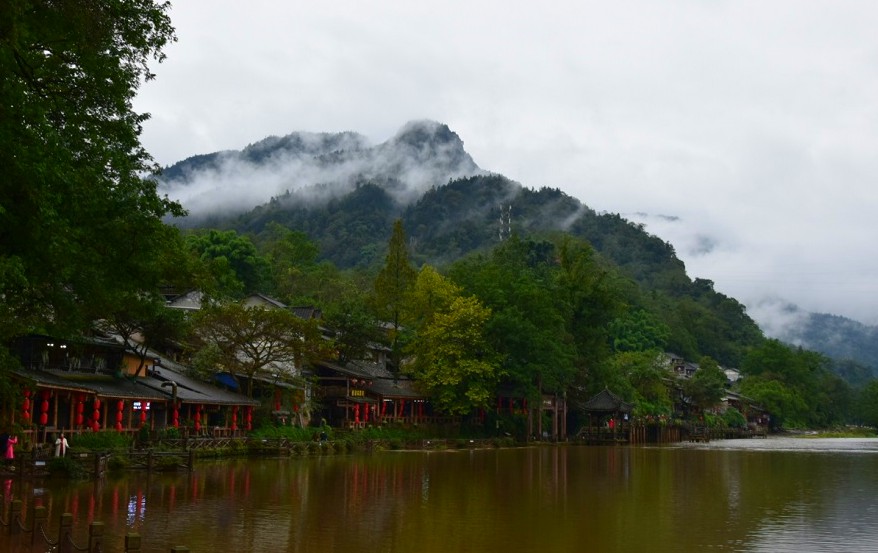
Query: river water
772, 495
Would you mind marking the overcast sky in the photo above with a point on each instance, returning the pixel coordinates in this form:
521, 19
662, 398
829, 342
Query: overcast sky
753, 124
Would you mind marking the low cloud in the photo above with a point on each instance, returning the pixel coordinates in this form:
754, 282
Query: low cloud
319, 166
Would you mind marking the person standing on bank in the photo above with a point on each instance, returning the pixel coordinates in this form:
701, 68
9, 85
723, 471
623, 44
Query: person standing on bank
9, 454
61, 446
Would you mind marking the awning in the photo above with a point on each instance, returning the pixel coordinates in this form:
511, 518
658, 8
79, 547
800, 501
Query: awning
228, 380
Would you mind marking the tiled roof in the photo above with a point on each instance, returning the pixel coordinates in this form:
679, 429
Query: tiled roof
607, 401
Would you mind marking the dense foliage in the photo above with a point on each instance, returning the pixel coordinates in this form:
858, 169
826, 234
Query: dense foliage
82, 236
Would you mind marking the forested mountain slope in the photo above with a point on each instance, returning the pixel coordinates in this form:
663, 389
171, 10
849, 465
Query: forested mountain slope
344, 194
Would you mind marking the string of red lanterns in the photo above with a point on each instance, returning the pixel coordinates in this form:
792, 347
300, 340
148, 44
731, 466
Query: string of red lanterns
25, 406
44, 408
80, 409
143, 406
120, 407
96, 416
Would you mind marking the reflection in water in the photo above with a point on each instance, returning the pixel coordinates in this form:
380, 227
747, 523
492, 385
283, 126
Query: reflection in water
724, 496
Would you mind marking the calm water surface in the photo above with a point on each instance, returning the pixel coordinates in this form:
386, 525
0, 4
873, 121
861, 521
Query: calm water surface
803, 495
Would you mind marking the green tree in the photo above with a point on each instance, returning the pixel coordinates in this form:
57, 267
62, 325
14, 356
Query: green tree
392, 287
785, 404
77, 218
255, 341
590, 302
639, 376
804, 374
527, 329
233, 261
144, 322
639, 330
452, 360
293, 263
867, 404
354, 324
705, 388
80, 226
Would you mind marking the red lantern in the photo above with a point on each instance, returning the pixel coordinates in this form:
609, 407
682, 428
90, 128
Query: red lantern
44, 408
234, 417
80, 409
25, 406
249, 417
143, 405
175, 418
197, 418
96, 416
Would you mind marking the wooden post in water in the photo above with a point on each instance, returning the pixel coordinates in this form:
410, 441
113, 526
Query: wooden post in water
39, 518
65, 534
132, 542
15, 517
95, 537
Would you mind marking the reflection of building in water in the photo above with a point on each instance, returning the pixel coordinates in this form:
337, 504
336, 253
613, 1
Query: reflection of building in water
136, 508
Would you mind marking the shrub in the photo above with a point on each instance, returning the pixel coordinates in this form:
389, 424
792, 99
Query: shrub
118, 463
101, 441
734, 419
67, 467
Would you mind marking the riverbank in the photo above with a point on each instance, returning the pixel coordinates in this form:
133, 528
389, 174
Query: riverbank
846, 432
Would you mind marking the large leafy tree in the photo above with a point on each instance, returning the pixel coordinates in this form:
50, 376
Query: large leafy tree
78, 220
255, 341
451, 357
590, 301
638, 330
143, 322
706, 388
795, 385
640, 376
232, 259
527, 328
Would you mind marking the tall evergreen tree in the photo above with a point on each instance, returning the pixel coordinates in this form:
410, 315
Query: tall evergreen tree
392, 287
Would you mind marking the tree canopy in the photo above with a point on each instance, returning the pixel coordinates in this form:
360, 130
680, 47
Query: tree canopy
79, 219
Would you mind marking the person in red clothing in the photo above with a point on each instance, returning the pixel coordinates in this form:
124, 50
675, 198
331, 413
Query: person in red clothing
9, 454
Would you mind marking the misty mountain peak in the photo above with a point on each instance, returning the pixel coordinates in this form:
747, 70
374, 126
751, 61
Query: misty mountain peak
426, 132
318, 166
